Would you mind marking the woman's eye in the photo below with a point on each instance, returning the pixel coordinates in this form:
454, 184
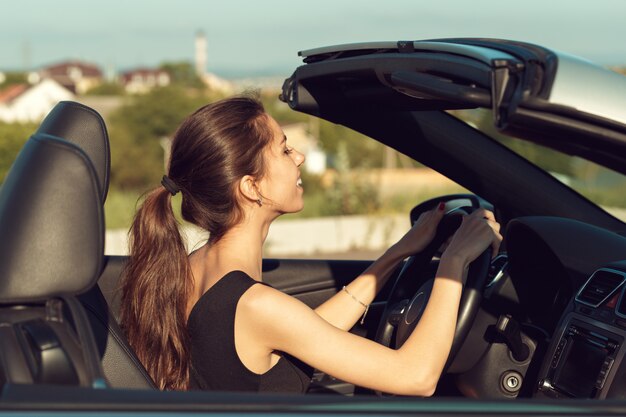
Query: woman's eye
288, 151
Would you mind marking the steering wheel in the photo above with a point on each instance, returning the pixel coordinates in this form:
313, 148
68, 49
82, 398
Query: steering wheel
412, 289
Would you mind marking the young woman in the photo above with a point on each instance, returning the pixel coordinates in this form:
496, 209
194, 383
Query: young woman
207, 320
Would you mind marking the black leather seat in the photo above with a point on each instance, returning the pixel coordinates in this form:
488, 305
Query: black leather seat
83, 126
51, 248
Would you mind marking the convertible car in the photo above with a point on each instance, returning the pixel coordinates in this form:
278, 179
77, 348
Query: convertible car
542, 326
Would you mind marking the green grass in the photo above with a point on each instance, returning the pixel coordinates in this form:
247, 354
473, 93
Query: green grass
120, 208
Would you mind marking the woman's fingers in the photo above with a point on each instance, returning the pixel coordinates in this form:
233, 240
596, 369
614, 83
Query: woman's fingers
495, 244
422, 232
478, 231
484, 214
497, 237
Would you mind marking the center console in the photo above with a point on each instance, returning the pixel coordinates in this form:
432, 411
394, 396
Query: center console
580, 363
586, 354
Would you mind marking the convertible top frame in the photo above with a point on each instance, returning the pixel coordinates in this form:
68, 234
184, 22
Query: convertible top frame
519, 82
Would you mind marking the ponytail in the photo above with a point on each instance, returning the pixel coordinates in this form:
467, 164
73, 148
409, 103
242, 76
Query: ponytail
156, 285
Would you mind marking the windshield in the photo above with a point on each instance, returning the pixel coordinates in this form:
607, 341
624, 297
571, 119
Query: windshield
601, 185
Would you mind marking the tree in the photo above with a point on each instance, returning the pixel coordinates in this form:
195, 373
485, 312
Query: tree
182, 73
136, 131
107, 89
12, 78
12, 138
364, 152
281, 111
349, 194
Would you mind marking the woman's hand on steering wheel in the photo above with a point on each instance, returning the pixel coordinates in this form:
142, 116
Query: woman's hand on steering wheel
478, 231
422, 232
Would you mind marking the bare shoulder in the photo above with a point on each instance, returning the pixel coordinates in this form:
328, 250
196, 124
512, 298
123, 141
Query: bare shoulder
263, 302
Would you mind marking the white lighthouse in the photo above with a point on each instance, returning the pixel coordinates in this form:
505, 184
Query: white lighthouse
201, 54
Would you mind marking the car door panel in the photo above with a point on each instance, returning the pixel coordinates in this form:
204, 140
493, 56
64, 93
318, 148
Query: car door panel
310, 280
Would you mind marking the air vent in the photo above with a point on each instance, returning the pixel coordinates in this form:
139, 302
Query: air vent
602, 285
497, 269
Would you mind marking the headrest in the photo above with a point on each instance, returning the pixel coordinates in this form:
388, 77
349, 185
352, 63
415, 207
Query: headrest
51, 222
83, 126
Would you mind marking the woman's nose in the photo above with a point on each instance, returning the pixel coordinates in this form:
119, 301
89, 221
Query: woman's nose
298, 158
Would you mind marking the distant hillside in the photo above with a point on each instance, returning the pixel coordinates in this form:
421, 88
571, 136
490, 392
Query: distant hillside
621, 70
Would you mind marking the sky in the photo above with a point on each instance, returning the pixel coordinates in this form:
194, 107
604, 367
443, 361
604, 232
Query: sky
248, 38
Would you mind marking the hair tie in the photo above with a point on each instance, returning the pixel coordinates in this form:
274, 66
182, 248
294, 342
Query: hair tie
169, 185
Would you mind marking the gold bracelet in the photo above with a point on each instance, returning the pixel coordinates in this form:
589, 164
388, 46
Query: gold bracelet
367, 306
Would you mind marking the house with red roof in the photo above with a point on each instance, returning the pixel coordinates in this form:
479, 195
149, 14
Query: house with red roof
76, 76
142, 80
24, 103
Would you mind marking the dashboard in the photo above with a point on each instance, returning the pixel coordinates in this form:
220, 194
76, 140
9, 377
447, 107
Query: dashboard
568, 306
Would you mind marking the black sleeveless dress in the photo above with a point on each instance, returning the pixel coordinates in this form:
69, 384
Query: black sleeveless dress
215, 364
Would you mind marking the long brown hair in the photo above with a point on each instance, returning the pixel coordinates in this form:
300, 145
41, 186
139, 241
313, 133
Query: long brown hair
211, 151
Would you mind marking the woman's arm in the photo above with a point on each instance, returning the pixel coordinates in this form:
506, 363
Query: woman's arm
342, 310
282, 323
346, 307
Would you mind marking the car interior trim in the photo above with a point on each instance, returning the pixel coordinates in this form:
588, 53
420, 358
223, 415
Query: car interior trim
609, 294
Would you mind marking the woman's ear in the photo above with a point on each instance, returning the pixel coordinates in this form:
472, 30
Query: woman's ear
248, 188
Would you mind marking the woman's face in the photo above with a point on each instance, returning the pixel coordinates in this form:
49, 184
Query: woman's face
281, 186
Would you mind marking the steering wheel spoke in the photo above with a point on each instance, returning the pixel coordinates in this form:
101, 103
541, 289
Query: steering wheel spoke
396, 315
390, 320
